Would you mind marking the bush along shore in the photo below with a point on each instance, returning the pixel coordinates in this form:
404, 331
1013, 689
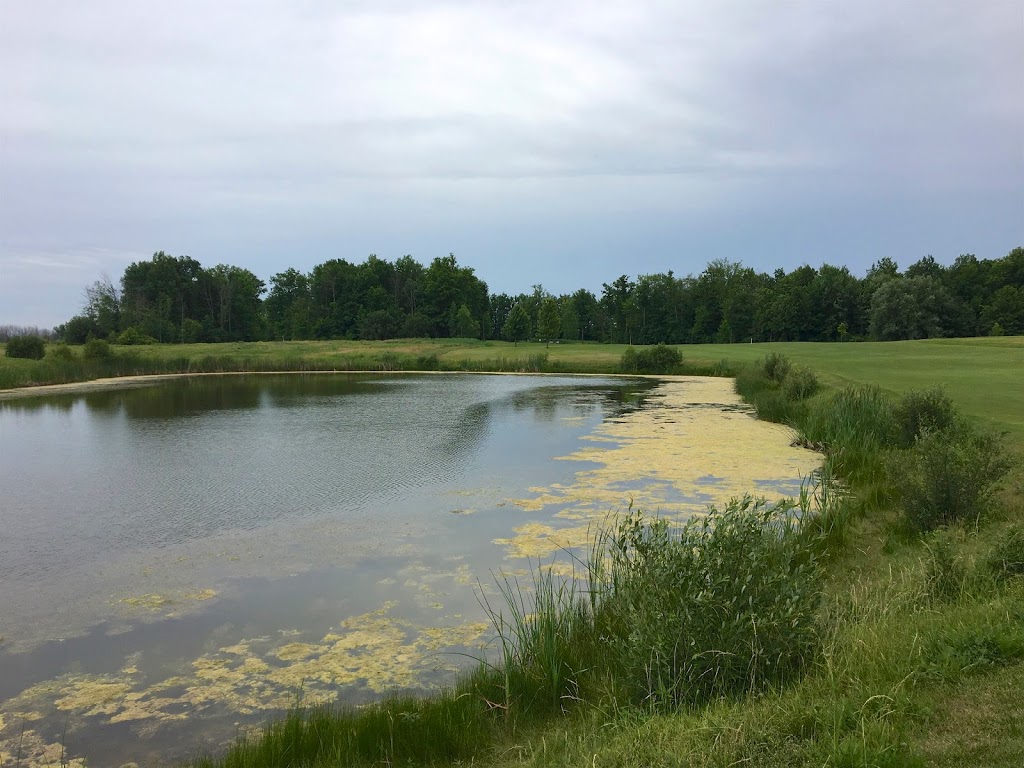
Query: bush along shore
861, 624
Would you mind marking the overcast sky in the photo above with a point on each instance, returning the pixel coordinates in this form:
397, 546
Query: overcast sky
563, 143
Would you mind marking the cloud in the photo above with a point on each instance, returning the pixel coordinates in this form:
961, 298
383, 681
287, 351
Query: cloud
127, 124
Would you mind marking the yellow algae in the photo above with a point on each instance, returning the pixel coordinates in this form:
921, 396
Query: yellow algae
200, 595
694, 444
155, 602
296, 651
30, 750
538, 540
93, 697
563, 568
151, 602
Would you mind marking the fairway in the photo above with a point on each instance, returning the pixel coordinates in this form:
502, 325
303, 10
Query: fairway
984, 376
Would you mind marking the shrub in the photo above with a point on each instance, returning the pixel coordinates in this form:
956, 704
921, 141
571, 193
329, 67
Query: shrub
132, 335
97, 349
918, 412
1006, 560
191, 331
428, 363
660, 358
724, 605
776, 366
26, 347
800, 383
947, 477
61, 351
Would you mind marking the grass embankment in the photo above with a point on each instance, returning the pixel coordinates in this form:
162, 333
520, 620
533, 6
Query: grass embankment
910, 589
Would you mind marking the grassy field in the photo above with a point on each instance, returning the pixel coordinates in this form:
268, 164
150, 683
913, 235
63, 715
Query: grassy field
922, 652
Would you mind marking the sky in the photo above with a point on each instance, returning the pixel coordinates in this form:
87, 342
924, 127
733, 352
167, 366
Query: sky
562, 143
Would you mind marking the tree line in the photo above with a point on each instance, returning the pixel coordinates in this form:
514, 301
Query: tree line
175, 299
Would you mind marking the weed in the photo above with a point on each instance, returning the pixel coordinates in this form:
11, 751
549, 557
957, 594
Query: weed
1006, 559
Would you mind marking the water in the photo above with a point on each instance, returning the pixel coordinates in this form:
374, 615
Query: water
180, 561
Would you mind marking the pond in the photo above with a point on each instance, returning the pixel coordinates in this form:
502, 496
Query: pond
180, 561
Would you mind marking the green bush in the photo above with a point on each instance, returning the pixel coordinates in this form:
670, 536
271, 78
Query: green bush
726, 604
97, 349
800, 383
947, 477
191, 331
1006, 560
132, 335
26, 347
660, 358
62, 352
428, 363
918, 412
776, 366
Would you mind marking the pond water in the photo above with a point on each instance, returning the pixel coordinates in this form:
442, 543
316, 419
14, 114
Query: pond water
180, 561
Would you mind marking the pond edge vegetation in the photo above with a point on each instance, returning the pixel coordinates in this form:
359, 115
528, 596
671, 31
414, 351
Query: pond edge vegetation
722, 640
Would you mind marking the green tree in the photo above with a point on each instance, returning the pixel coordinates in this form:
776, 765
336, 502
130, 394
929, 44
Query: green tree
549, 320
289, 306
103, 307
909, 308
517, 326
462, 324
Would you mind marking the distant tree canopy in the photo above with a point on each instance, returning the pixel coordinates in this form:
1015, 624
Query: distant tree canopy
176, 299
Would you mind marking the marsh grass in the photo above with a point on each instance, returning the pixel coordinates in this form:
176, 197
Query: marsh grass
402, 730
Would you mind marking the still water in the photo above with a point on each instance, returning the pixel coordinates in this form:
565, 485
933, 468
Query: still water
180, 561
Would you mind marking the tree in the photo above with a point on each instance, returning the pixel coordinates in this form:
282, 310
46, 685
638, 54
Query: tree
909, 308
549, 320
462, 324
517, 326
1005, 309
289, 306
103, 307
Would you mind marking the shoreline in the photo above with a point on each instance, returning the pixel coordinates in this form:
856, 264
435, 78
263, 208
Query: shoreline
142, 380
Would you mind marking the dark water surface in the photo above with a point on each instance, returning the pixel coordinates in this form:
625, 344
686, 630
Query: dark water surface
179, 561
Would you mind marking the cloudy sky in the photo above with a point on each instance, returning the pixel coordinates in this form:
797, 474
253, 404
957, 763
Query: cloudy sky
561, 143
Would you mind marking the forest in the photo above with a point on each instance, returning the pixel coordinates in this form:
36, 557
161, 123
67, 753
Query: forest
172, 299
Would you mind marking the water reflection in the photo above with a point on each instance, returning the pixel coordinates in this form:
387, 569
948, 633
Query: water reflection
195, 541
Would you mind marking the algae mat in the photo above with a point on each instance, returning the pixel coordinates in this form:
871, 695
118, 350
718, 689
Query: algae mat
694, 444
